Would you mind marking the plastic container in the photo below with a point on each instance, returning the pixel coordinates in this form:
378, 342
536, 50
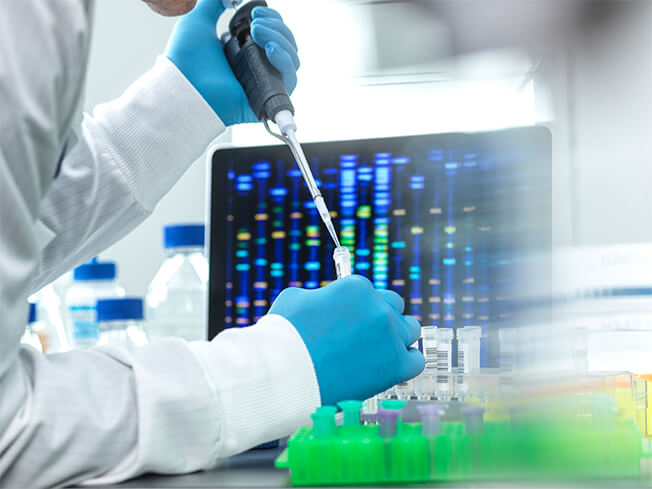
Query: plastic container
92, 281
507, 341
50, 326
29, 336
429, 347
176, 299
120, 321
444, 381
468, 348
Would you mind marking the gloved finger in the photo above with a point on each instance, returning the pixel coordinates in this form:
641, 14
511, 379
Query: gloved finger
359, 278
209, 10
263, 35
413, 329
265, 12
394, 300
413, 364
282, 61
280, 27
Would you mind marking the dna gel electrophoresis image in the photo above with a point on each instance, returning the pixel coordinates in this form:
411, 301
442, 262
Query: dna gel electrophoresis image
444, 220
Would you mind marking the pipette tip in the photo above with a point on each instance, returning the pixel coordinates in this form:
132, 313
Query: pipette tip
331, 231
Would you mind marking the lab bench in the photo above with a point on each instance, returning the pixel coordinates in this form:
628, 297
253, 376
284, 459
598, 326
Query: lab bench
254, 468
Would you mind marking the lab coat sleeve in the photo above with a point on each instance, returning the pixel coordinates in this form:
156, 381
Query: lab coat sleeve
108, 414
104, 415
131, 152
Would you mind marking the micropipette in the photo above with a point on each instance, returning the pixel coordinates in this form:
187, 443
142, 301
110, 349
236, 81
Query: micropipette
269, 100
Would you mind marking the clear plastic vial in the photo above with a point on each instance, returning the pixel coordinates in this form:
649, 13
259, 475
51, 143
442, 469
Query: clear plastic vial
50, 326
507, 343
120, 321
429, 347
342, 259
468, 349
176, 302
405, 390
468, 358
423, 385
92, 281
443, 382
29, 336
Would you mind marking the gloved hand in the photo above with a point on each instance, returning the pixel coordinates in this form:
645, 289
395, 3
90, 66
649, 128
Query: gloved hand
196, 50
356, 336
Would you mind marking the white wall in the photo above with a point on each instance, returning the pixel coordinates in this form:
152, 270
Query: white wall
128, 36
611, 122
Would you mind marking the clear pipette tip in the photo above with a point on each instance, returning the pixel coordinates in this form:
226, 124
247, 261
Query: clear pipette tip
285, 122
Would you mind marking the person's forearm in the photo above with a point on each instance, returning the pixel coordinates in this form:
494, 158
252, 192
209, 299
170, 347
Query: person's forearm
108, 414
132, 151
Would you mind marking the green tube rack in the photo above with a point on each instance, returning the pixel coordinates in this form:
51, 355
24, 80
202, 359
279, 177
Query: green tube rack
567, 449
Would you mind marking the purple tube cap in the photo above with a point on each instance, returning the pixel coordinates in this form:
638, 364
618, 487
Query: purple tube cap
430, 410
388, 414
370, 418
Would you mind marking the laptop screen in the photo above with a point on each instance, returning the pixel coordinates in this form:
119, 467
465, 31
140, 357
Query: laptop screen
449, 221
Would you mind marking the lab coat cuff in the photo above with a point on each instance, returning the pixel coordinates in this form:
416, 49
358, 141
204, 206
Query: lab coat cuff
264, 381
155, 131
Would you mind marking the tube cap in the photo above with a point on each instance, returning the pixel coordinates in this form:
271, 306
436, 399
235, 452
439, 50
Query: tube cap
180, 235
31, 318
95, 270
393, 404
120, 309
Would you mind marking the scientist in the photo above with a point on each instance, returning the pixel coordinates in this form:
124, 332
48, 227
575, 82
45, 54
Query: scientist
69, 188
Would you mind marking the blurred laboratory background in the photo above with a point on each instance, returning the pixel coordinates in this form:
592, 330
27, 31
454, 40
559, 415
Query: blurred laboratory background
582, 69
541, 110
421, 66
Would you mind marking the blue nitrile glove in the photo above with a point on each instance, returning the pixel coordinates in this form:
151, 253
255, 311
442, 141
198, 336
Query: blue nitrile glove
356, 336
196, 50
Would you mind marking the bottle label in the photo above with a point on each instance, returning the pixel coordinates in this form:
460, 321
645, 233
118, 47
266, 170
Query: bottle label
84, 325
85, 330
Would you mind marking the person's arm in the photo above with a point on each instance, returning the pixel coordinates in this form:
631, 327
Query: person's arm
134, 149
130, 154
105, 415
108, 414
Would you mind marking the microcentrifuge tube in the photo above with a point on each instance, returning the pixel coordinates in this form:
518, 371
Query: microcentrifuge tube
387, 418
342, 259
323, 421
423, 387
404, 390
474, 420
370, 408
351, 411
468, 358
444, 362
507, 343
429, 347
468, 348
431, 414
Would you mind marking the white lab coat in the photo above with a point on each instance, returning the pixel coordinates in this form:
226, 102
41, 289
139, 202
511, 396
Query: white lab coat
108, 414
